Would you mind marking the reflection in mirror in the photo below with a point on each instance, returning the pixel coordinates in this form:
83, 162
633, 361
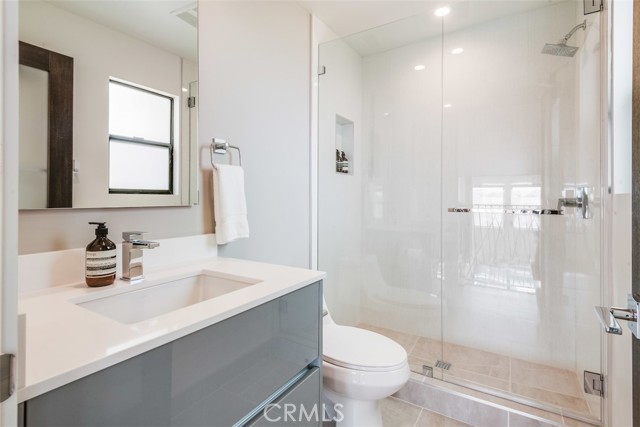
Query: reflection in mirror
147, 47
141, 139
46, 157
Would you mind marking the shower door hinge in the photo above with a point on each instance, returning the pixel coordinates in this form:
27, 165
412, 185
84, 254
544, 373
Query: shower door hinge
191, 101
7, 376
593, 6
594, 383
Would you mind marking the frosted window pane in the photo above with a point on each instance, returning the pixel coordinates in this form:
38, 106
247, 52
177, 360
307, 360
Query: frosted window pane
136, 113
138, 166
526, 196
488, 196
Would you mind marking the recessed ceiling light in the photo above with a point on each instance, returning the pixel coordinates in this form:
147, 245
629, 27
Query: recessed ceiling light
457, 51
442, 11
385, 114
419, 67
447, 105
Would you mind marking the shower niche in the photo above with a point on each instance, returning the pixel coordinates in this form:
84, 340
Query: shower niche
344, 145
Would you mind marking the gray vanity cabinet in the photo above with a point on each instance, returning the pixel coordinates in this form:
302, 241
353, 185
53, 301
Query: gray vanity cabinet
223, 375
298, 407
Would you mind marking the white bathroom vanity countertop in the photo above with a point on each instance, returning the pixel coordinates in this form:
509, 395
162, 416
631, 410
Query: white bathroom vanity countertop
65, 342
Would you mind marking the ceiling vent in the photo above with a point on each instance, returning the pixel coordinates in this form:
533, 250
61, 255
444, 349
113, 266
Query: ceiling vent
188, 14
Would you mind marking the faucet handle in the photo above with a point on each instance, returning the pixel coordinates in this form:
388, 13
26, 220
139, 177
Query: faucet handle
129, 236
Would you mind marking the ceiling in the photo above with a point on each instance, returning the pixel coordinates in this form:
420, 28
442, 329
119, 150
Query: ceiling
156, 22
373, 26
391, 23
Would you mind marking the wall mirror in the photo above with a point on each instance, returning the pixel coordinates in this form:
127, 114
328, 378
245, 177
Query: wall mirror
118, 126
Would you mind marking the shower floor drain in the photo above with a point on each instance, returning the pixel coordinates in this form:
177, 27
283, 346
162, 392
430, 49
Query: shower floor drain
443, 365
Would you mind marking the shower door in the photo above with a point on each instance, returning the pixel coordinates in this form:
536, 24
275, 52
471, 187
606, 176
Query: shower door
456, 164
521, 226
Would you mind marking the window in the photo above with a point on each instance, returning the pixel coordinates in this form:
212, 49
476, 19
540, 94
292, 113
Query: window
141, 139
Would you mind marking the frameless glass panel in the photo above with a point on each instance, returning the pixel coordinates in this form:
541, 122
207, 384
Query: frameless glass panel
138, 166
137, 113
379, 224
521, 130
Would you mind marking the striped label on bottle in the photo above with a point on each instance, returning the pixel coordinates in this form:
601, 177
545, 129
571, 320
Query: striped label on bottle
100, 263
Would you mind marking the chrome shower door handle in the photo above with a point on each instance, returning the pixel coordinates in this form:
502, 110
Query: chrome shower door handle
608, 321
581, 202
609, 316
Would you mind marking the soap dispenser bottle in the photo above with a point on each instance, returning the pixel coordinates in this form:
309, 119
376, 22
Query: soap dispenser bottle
100, 259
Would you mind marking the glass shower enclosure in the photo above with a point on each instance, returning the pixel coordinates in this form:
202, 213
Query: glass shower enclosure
468, 223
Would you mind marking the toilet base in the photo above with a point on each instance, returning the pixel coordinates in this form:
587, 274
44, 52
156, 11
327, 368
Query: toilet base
355, 413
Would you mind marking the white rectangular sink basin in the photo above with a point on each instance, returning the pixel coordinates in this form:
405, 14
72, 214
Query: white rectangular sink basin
148, 302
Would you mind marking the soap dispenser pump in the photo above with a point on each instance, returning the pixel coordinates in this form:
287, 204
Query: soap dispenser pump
100, 259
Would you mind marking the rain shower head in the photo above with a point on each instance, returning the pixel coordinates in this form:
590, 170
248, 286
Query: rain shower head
561, 48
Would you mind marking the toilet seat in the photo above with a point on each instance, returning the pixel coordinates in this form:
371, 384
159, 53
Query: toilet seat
362, 350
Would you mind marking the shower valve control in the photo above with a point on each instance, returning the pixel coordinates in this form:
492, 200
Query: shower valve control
609, 317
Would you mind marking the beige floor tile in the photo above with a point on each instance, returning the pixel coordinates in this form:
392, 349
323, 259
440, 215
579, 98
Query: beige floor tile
459, 354
545, 377
427, 349
396, 413
572, 403
416, 363
570, 422
501, 372
407, 341
432, 419
484, 380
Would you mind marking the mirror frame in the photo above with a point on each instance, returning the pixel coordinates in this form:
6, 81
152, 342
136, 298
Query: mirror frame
60, 114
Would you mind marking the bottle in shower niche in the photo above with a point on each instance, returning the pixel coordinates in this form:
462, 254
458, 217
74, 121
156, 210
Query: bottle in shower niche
100, 259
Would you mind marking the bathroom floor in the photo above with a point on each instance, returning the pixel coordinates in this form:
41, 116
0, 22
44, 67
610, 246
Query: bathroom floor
558, 387
396, 413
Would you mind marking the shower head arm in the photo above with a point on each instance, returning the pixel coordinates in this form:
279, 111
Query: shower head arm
574, 29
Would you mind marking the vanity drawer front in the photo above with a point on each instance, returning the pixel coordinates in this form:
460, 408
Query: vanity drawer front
215, 376
298, 407
231, 369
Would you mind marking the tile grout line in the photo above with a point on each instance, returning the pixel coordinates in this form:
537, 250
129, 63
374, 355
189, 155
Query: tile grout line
415, 424
413, 347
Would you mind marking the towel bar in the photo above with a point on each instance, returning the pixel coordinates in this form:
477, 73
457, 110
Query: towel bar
221, 146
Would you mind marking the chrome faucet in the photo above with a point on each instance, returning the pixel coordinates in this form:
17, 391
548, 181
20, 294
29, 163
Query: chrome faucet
132, 247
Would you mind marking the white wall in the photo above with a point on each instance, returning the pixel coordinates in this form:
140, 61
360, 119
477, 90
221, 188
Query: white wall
255, 93
620, 352
620, 380
621, 52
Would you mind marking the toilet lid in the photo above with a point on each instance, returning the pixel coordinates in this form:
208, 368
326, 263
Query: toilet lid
359, 349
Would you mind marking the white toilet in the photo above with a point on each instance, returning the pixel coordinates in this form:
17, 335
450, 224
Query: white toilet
360, 368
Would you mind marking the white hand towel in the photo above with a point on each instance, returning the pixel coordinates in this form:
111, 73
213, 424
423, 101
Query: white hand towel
229, 204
